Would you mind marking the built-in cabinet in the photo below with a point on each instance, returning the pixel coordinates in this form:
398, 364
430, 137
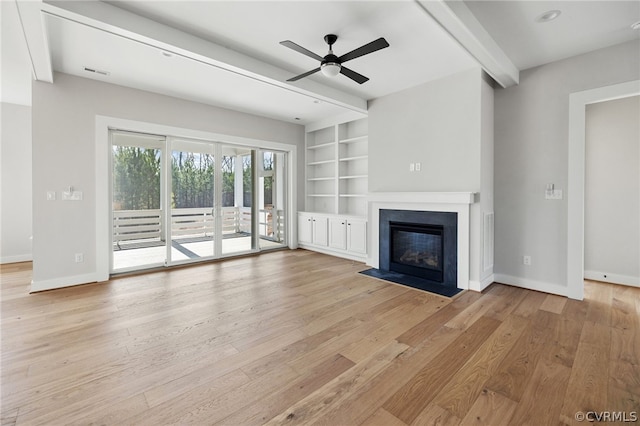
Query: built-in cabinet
341, 235
336, 160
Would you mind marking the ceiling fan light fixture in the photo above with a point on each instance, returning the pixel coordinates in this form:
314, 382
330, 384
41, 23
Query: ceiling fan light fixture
330, 69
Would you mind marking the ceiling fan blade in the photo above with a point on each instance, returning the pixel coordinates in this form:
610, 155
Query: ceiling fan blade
358, 78
300, 49
298, 77
378, 44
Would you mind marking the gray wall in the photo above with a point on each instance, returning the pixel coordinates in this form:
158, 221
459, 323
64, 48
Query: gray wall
15, 183
436, 124
64, 154
531, 150
612, 191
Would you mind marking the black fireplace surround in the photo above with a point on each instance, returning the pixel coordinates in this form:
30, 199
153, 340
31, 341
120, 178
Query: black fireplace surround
422, 244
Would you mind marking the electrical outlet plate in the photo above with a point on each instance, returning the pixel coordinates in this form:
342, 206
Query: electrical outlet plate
556, 194
72, 195
526, 260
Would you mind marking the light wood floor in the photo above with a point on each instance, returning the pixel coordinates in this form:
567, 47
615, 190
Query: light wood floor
295, 337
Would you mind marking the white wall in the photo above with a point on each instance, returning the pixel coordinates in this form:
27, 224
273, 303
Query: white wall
612, 191
531, 150
447, 126
64, 120
15, 183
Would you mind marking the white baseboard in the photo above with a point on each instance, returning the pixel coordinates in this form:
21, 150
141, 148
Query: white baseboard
334, 252
16, 259
532, 284
612, 278
63, 282
481, 285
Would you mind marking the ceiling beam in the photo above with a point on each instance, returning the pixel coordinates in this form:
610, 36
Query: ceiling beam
114, 20
456, 18
32, 23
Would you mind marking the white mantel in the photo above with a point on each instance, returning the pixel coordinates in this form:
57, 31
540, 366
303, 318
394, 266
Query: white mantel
456, 202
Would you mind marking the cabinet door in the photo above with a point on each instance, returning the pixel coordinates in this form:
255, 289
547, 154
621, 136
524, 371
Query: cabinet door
305, 230
357, 236
319, 230
338, 233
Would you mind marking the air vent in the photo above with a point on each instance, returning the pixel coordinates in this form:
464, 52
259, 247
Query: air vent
87, 69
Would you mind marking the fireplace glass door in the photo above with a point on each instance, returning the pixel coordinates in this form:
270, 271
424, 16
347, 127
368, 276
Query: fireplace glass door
417, 250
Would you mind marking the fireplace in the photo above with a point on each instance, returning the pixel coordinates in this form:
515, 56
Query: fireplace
421, 244
417, 249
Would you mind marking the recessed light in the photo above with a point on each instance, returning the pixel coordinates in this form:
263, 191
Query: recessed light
635, 26
548, 16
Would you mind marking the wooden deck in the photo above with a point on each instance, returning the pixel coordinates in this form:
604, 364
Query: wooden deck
295, 337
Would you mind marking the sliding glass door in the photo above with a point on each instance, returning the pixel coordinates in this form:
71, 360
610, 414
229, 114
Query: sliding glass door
138, 198
179, 201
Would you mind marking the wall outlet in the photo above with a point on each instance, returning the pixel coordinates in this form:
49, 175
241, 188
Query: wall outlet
51, 195
526, 260
79, 257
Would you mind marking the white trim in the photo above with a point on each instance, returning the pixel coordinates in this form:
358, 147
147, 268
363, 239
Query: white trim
27, 257
612, 278
63, 282
532, 284
456, 202
576, 169
103, 154
334, 252
481, 285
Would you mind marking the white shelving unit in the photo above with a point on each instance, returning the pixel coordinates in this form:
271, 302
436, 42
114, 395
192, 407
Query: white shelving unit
337, 172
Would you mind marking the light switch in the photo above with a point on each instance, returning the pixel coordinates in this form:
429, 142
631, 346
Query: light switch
51, 195
418, 167
412, 167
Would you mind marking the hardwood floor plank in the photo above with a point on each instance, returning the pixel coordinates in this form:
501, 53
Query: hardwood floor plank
548, 381
491, 409
383, 418
416, 394
517, 368
311, 409
553, 303
463, 388
268, 407
433, 415
588, 385
418, 333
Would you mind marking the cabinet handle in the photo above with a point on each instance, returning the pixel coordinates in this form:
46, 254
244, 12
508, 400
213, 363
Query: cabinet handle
342, 223
349, 224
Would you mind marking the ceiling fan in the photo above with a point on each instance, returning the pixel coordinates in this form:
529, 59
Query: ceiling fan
331, 65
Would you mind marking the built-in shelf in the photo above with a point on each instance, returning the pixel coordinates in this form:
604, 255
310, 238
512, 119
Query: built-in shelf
359, 157
337, 169
354, 140
354, 177
323, 145
317, 163
317, 179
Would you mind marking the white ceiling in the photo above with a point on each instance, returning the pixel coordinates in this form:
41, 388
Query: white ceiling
583, 26
227, 53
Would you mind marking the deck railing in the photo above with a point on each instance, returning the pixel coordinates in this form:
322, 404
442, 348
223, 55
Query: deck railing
146, 225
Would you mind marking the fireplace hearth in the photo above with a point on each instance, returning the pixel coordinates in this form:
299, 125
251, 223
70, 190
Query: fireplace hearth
419, 249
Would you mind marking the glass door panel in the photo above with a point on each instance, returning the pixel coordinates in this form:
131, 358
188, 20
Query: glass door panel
272, 199
192, 224
237, 214
138, 237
